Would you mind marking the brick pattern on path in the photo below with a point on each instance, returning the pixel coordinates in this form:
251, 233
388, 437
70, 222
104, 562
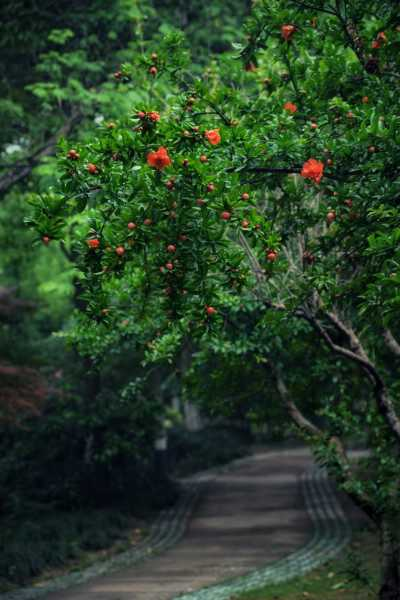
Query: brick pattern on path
262, 511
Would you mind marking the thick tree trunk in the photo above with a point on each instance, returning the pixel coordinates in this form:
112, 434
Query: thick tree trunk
390, 576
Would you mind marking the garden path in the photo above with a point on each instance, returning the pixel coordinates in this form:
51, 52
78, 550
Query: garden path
248, 516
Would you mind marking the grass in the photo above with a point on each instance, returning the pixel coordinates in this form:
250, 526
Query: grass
354, 576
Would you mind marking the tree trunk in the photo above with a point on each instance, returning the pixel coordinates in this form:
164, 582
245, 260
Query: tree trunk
390, 575
192, 417
161, 456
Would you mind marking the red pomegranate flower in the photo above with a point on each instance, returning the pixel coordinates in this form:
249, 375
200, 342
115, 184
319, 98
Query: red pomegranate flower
93, 243
213, 136
159, 159
287, 31
313, 169
153, 116
290, 107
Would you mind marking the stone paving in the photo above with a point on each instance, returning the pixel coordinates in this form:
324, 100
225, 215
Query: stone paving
332, 533
264, 519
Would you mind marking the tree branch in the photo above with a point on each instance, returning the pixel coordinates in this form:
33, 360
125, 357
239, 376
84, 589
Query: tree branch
24, 167
314, 8
345, 471
295, 414
391, 342
295, 170
258, 271
68, 255
348, 26
353, 339
341, 350
384, 403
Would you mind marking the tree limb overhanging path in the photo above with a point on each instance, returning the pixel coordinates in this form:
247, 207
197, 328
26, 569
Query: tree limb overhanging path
266, 518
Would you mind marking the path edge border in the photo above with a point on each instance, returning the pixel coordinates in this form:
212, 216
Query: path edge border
332, 532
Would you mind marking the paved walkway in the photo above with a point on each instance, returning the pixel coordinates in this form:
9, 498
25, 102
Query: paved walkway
262, 511
248, 517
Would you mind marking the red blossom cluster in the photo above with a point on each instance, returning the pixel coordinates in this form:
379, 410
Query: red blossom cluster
380, 39
159, 159
313, 169
290, 107
151, 115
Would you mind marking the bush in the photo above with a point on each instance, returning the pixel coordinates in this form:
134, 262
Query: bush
34, 544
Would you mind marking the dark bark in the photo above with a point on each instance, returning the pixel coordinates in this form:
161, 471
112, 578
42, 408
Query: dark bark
390, 575
294, 413
391, 342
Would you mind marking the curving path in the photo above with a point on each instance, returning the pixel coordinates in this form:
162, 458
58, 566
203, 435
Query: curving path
266, 518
